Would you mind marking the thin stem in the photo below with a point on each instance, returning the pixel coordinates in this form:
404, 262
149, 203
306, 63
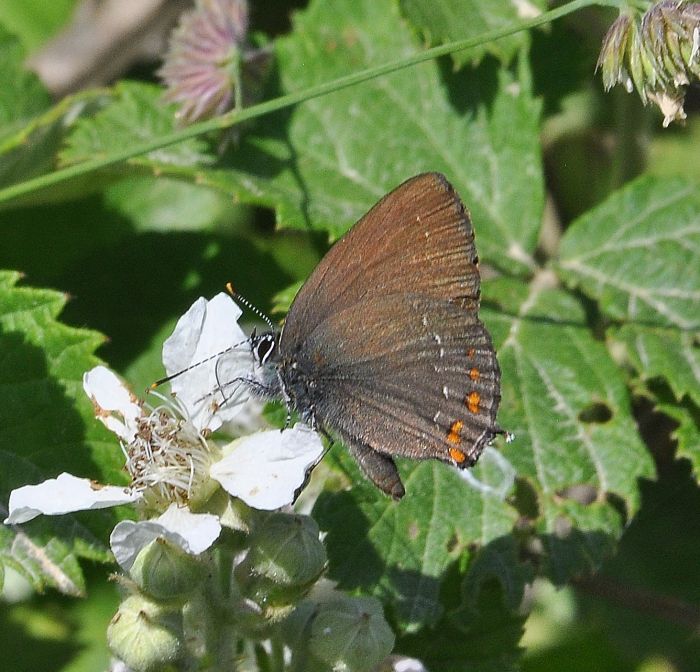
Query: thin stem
237, 81
277, 655
221, 634
664, 607
237, 116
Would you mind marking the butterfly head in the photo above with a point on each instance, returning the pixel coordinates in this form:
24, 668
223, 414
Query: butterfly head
264, 347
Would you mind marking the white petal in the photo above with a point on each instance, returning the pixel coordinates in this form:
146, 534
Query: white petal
194, 533
64, 494
199, 530
211, 391
403, 664
115, 406
266, 469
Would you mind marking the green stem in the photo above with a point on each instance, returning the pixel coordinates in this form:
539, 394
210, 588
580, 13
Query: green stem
221, 634
237, 116
237, 81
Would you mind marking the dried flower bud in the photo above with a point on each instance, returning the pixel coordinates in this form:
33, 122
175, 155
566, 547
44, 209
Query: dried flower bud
209, 65
657, 54
614, 52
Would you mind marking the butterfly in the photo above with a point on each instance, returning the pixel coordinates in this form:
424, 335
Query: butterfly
383, 346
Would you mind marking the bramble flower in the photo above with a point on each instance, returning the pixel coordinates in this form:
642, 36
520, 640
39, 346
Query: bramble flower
210, 67
657, 54
190, 593
174, 465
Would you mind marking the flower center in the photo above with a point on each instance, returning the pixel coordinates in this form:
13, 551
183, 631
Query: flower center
168, 459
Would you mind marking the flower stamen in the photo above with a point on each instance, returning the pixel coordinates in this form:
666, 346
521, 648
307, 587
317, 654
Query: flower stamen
168, 459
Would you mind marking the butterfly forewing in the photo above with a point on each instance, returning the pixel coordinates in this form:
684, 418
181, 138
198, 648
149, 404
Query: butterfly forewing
419, 237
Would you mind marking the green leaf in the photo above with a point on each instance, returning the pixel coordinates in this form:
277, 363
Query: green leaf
576, 442
35, 21
52, 632
401, 551
160, 204
670, 354
638, 253
30, 147
282, 301
31, 132
328, 161
667, 361
448, 20
136, 115
687, 434
484, 632
22, 95
48, 427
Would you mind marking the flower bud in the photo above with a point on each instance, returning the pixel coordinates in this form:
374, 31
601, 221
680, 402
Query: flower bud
165, 571
611, 61
144, 635
285, 559
657, 54
209, 59
350, 634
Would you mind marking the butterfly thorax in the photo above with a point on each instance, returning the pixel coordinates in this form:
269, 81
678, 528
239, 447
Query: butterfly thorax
299, 389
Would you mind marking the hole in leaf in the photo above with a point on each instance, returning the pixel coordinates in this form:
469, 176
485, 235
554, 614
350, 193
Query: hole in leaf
582, 493
562, 527
597, 412
452, 543
525, 499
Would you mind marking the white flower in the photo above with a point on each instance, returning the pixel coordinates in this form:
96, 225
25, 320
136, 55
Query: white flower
172, 462
212, 354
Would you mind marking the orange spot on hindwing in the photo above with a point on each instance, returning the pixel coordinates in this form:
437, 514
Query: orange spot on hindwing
457, 455
472, 402
474, 373
454, 435
471, 352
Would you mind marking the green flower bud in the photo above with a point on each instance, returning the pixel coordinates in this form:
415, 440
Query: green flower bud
164, 571
285, 559
251, 620
657, 54
350, 634
296, 628
144, 635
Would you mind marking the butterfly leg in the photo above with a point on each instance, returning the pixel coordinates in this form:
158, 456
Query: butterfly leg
309, 470
379, 468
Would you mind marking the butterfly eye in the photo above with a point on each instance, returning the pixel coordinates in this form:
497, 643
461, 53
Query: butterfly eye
263, 347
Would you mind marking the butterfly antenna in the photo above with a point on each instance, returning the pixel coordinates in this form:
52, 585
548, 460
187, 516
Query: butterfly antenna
167, 379
234, 294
